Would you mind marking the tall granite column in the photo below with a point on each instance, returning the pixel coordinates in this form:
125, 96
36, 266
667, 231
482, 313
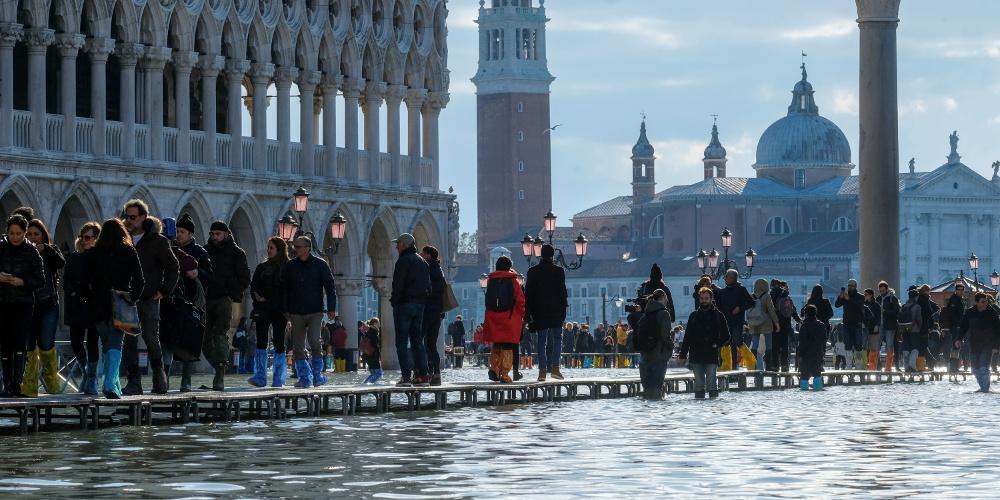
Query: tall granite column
414, 104
352, 95
10, 33
878, 161
308, 80
372, 101
210, 65
348, 295
390, 360
154, 60
393, 98
436, 101
69, 46
329, 85
283, 79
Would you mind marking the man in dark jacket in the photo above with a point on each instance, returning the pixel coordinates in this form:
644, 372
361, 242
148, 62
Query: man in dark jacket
888, 322
931, 312
706, 332
160, 271
186, 241
733, 301
546, 303
411, 283
853, 304
811, 350
980, 327
653, 364
229, 280
432, 313
305, 279
457, 332
954, 312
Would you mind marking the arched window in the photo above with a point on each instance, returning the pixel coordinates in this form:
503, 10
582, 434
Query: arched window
843, 224
778, 225
656, 227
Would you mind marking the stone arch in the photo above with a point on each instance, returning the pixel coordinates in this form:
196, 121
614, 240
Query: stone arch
371, 63
140, 191
33, 13
440, 29
392, 68
181, 31
257, 40
434, 76
328, 56
305, 51
78, 205
66, 15
233, 42
282, 46
350, 60
124, 22
402, 24
194, 203
153, 29
246, 221
426, 231
95, 19
16, 191
413, 74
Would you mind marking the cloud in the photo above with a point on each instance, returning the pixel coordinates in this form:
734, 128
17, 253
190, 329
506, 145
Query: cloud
995, 119
680, 156
966, 48
912, 106
462, 87
675, 82
463, 18
845, 102
647, 30
834, 29
949, 103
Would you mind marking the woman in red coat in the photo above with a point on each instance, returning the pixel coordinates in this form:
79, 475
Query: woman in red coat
504, 317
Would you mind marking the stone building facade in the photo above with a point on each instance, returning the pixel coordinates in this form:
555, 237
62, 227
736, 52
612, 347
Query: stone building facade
106, 100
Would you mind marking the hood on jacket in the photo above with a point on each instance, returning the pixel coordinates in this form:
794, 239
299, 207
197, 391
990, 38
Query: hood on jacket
653, 306
760, 287
655, 274
502, 274
817, 292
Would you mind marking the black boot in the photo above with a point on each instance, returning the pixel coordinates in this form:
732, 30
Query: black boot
219, 381
713, 394
159, 376
7, 366
186, 376
699, 394
134, 385
18, 361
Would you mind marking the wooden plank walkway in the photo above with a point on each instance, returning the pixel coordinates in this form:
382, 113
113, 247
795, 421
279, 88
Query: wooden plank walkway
77, 411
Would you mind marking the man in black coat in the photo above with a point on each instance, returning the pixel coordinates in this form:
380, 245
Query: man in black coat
457, 332
187, 242
160, 271
981, 329
411, 284
854, 316
229, 280
954, 313
733, 301
546, 303
306, 280
705, 333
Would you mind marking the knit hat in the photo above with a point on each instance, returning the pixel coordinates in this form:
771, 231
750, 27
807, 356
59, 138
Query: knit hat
853, 283
186, 222
187, 262
219, 226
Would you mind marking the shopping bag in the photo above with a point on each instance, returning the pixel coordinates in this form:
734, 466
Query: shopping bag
449, 301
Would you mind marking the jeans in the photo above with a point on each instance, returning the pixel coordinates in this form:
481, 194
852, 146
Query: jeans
307, 328
149, 320
854, 337
432, 328
981, 368
652, 370
735, 339
549, 348
44, 322
409, 322
887, 337
768, 346
276, 323
458, 342
704, 374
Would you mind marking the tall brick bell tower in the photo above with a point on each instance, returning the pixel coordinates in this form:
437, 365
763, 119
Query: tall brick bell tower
514, 160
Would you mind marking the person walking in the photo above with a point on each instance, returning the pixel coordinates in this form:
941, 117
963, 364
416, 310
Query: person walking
824, 310
953, 314
305, 281
888, 323
762, 320
186, 241
980, 327
112, 267
853, 304
706, 333
456, 330
505, 310
704, 282
811, 350
655, 282
371, 350
546, 303
655, 344
787, 312
411, 283
931, 313
45, 317
872, 314
21, 275
76, 311
189, 293
733, 301
433, 313
160, 271
267, 292
229, 280
911, 317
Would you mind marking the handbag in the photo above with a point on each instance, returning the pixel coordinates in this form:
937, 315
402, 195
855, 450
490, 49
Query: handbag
449, 301
185, 331
124, 313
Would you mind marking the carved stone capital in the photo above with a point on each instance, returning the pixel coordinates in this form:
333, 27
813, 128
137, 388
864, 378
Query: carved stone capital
38, 39
261, 72
437, 100
237, 68
308, 79
283, 77
211, 64
69, 44
394, 94
184, 61
155, 58
10, 33
351, 287
99, 48
352, 87
415, 98
129, 53
330, 83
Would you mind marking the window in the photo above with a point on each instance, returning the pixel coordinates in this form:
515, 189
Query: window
520, 166
569, 292
604, 291
843, 224
778, 225
465, 314
656, 227
813, 225
520, 136
624, 292
583, 292
520, 107
826, 273
465, 293
520, 194
800, 178
687, 290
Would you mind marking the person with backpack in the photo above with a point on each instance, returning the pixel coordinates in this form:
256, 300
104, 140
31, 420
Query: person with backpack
456, 330
931, 314
733, 301
707, 331
888, 322
655, 282
981, 329
786, 313
371, 351
910, 323
411, 284
811, 350
505, 309
954, 312
872, 314
655, 344
762, 320
853, 304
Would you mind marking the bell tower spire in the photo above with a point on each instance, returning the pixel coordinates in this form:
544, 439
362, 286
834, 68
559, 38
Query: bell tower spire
715, 155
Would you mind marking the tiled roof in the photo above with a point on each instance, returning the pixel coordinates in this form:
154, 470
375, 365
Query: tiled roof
620, 205
814, 243
729, 186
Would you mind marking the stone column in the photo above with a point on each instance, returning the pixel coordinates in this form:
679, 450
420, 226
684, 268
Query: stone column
390, 361
210, 65
317, 109
348, 295
260, 75
283, 79
933, 247
69, 47
99, 49
307, 89
329, 86
414, 104
878, 161
994, 226
436, 101
235, 69
10, 33
128, 55
393, 98
38, 41
153, 61
183, 64
374, 92
352, 92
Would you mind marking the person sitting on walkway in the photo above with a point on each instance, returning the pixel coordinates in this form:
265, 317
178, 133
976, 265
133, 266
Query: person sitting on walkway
811, 350
504, 317
706, 332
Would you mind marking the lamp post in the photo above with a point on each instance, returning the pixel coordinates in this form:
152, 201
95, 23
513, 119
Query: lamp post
995, 279
291, 227
709, 261
531, 247
618, 301
974, 265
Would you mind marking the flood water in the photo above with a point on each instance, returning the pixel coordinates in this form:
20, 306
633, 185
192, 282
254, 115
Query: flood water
932, 440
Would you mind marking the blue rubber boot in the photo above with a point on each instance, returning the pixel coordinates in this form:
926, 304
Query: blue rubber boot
89, 385
280, 369
374, 376
112, 384
259, 378
304, 371
817, 383
317, 371
804, 384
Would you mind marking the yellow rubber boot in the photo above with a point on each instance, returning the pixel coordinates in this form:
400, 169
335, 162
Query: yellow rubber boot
50, 371
29, 384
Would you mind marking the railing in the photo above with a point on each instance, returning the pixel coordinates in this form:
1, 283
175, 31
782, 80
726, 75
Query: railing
369, 169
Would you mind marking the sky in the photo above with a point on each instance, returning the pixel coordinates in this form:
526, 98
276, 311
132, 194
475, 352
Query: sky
681, 61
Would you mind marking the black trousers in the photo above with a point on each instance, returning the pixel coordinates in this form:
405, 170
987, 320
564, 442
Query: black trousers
780, 349
14, 330
276, 324
89, 354
432, 328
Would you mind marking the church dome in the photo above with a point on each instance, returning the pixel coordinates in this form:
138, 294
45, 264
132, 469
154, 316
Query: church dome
714, 150
803, 138
642, 148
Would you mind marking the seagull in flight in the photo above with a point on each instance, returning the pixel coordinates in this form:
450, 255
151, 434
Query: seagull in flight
552, 128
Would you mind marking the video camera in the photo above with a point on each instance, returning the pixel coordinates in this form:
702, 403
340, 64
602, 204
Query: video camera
635, 305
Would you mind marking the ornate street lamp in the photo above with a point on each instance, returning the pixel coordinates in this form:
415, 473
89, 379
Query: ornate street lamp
300, 200
338, 228
287, 227
550, 224
483, 279
709, 264
531, 248
974, 265
527, 247
995, 279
